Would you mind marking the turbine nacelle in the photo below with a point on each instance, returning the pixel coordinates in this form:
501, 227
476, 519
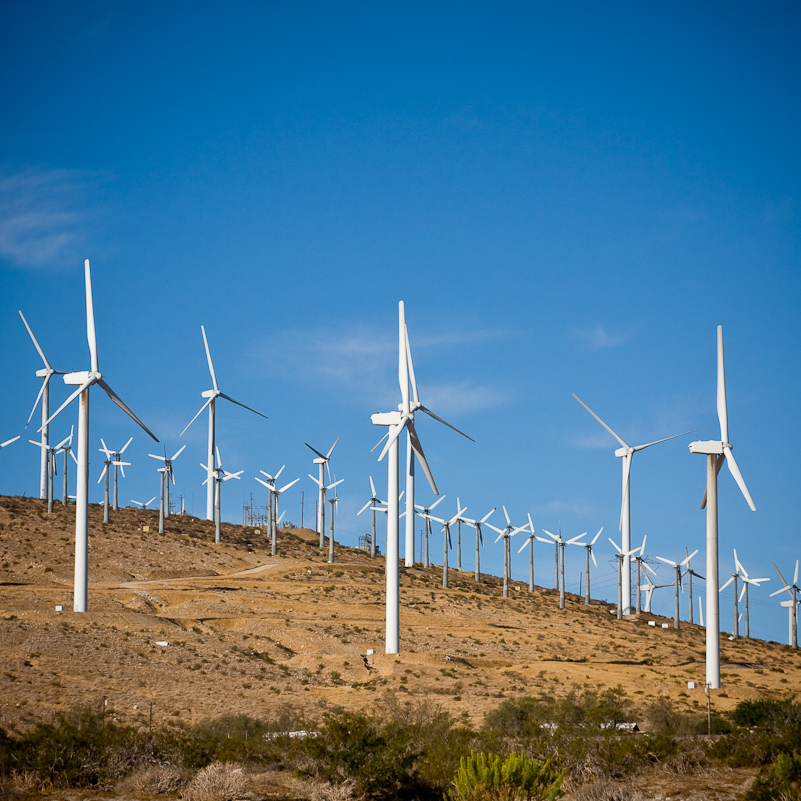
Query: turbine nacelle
712, 447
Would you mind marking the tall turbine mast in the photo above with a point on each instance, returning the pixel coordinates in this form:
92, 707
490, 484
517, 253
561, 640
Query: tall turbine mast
716, 452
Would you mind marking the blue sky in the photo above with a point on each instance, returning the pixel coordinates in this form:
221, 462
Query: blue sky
568, 198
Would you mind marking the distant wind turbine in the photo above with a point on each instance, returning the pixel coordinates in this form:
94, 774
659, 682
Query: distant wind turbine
424, 512
85, 380
677, 566
168, 476
446, 528
371, 504
144, 505
212, 395
740, 575
716, 452
46, 373
792, 589
506, 534
273, 510
560, 545
65, 447
622, 556
218, 476
588, 547
626, 452
479, 538
322, 462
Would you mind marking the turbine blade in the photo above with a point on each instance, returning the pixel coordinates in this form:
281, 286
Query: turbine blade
262, 482
592, 556
90, 317
316, 451
229, 398
618, 548
795, 575
113, 395
433, 505
487, 516
687, 559
780, 574
726, 584
105, 467
599, 534
202, 409
742, 592
208, 357
665, 439
667, 561
175, 456
331, 449
619, 439
411, 366
722, 413
421, 457
35, 343
444, 422
291, 483
363, 507
738, 476
393, 433
129, 442
372, 487
38, 398
506, 515
377, 443
648, 567
316, 481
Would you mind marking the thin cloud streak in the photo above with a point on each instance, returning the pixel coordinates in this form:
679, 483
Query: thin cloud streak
597, 338
44, 215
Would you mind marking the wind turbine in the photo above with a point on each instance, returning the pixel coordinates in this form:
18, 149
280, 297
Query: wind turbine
112, 458
560, 546
167, 477
479, 538
622, 557
530, 542
372, 504
144, 505
639, 558
65, 447
212, 395
792, 589
690, 573
446, 527
218, 475
626, 452
47, 372
588, 547
424, 512
716, 452
741, 575
506, 534
270, 517
118, 463
50, 452
649, 593
677, 566
323, 489
85, 380
396, 422
164, 480
322, 462
274, 495
334, 505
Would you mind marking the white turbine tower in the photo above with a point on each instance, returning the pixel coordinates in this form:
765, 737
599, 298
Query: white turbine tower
690, 574
373, 505
793, 603
218, 475
46, 373
716, 452
110, 460
396, 422
413, 445
740, 575
212, 395
622, 557
446, 528
85, 380
65, 447
626, 452
322, 461
479, 537
168, 476
424, 511
323, 489
273, 511
590, 554
50, 452
677, 566
560, 546
506, 534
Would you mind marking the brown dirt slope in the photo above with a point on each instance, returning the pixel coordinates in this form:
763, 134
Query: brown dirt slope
250, 633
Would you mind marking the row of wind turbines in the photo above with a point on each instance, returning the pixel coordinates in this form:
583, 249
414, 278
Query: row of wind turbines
395, 422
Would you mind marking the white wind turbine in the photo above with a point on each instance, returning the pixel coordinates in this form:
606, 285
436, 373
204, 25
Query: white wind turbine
626, 452
639, 558
424, 512
506, 534
46, 373
677, 566
479, 537
270, 517
413, 447
273, 511
373, 505
212, 395
118, 463
560, 546
530, 542
168, 476
792, 589
322, 461
218, 475
164, 481
65, 447
145, 504
690, 574
622, 557
85, 380
740, 575
334, 506
50, 453
649, 593
446, 527
588, 546
396, 422
112, 458
716, 452
323, 489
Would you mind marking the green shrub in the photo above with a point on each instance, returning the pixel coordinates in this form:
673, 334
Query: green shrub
782, 780
483, 777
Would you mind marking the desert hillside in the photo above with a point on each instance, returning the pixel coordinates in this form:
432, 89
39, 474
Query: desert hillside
249, 632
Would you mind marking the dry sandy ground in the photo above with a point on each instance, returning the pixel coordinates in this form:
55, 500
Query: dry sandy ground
253, 633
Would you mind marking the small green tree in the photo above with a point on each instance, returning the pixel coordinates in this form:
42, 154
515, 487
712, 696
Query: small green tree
484, 777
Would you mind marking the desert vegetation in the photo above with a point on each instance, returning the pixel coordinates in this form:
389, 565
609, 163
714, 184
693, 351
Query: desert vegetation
525, 748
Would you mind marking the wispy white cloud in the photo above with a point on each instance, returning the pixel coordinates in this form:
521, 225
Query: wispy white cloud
44, 215
597, 338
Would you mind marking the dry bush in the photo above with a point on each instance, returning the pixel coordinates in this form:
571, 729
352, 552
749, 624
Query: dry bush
607, 791
323, 791
155, 780
220, 781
